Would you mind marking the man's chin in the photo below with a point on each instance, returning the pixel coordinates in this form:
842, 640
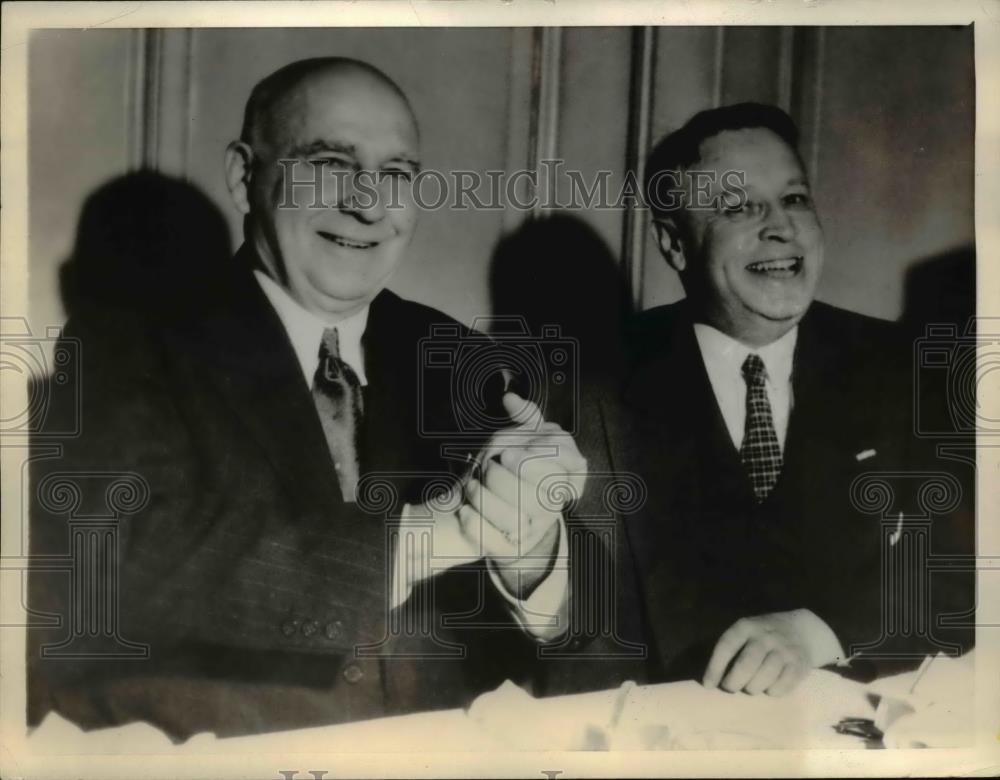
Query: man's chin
780, 308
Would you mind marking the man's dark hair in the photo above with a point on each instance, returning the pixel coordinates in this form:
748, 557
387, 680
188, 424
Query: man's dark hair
680, 149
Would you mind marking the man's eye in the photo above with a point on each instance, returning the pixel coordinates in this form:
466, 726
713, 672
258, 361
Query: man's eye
735, 207
798, 199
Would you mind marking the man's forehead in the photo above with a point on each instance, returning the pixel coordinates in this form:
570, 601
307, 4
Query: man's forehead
752, 148
328, 104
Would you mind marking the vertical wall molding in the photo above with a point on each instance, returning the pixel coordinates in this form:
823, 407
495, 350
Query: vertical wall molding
152, 76
533, 107
636, 221
817, 107
158, 102
135, 98
718, 57
172, 113
518, 152
546, 81
785, 67
806, 91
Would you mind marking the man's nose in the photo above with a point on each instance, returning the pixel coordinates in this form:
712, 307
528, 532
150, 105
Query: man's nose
363, 198
778, 226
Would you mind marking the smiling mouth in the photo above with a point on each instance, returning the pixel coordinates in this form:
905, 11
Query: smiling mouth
781, 268
346, 242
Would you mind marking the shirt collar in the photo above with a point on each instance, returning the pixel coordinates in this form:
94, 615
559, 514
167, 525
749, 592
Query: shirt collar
305, 330
721, 350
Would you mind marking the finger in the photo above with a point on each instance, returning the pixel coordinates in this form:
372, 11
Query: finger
767, 674
485, 539
533, 469
531, 517
522, 412
494, 509
790, 677
729, 644
543, 459
547, 487
746, 665
526, 438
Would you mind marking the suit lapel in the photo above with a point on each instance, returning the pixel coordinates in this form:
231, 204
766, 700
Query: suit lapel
671, 393
391, 424
244, 351
818, 432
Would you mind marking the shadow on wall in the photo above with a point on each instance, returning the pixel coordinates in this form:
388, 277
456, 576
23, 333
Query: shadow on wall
939, 306
557, 271
941, 290
147, 245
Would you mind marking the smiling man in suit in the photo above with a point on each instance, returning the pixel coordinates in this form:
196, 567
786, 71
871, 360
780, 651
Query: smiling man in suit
278, 429
749, 411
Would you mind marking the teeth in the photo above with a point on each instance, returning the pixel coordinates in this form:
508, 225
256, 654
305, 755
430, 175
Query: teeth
341, 241
784, 264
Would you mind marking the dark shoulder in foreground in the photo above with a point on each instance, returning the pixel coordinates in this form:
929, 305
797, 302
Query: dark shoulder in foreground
649, 329
863, 342
389, 310
849, 325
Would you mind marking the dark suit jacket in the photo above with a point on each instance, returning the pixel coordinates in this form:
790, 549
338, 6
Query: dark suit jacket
250, 580
703, 553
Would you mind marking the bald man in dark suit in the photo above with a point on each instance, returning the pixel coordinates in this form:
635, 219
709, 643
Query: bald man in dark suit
285, 443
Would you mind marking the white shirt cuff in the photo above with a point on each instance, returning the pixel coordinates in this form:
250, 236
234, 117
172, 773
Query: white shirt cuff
544, 614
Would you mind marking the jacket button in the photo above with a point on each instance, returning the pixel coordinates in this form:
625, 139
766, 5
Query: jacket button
333, 629
353, 673
309, 627
289, 627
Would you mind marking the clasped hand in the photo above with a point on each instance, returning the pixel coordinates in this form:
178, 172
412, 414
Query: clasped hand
510, 500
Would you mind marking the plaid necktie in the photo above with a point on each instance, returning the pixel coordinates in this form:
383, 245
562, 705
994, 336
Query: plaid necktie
760, 453
337, 394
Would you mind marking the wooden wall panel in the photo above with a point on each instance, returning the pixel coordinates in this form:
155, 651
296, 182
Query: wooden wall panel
888, 138
79, 136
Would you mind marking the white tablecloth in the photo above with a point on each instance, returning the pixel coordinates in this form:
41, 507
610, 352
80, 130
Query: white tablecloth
672, 715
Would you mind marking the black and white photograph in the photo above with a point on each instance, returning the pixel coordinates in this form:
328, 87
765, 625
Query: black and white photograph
502, 389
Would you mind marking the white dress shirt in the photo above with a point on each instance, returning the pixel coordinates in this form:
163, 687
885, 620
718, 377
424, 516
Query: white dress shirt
723, 357
305, 331
543, 613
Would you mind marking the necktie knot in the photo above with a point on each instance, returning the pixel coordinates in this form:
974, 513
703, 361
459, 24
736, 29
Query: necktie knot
330, 344
754, 371
330, 364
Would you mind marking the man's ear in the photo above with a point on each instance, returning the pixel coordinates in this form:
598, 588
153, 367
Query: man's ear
239, 165
668, 239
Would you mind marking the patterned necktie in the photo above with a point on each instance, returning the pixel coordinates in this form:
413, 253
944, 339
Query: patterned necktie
760, 453
337, 394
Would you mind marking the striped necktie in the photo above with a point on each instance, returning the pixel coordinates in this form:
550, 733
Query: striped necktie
760, 452
337, 394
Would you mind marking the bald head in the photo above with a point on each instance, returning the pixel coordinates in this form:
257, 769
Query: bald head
327, 145
276, 99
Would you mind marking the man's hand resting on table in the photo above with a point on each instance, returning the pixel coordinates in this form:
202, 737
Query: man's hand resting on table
771, 653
